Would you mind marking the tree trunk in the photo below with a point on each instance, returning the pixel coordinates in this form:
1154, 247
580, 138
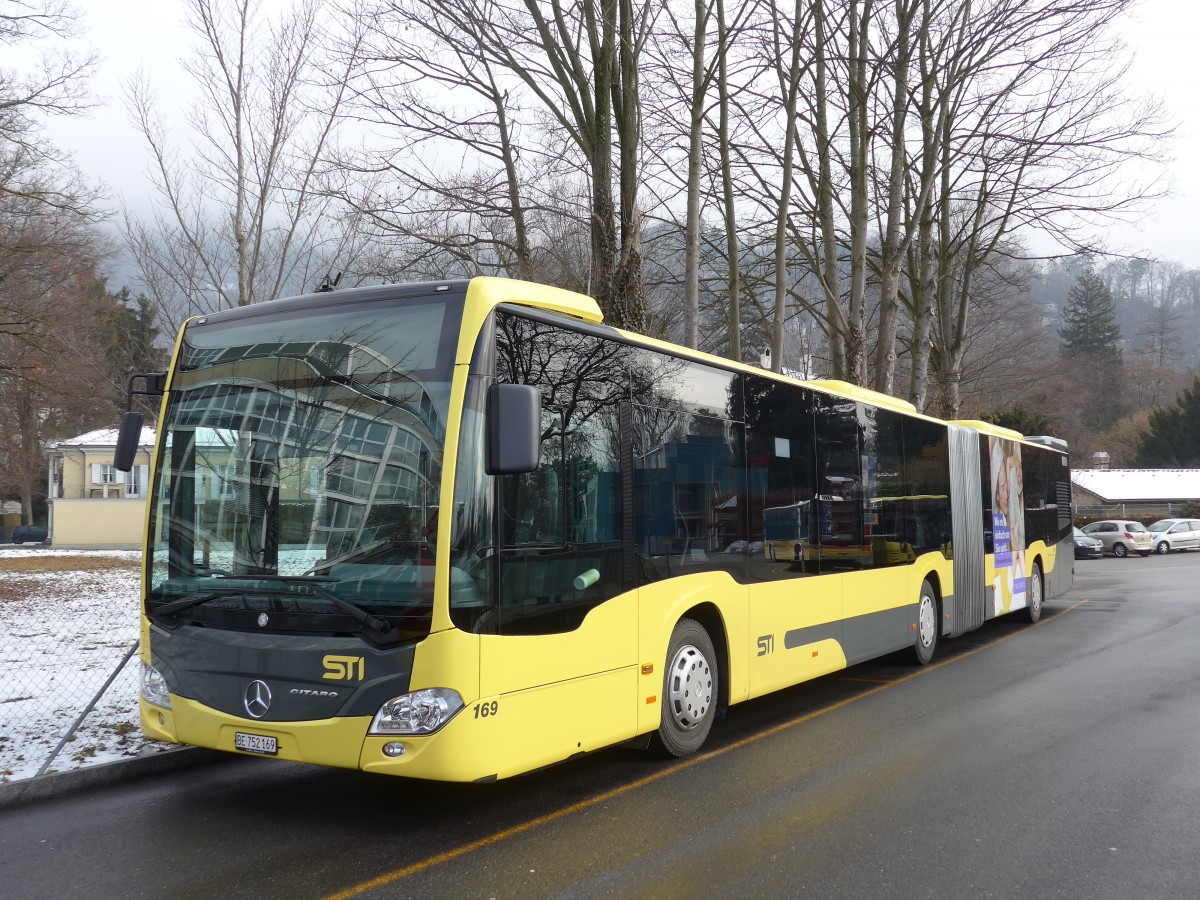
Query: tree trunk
785, 198
630, 290
732, 261
858, 121
691, 283
603, 230
894, 246
829, 271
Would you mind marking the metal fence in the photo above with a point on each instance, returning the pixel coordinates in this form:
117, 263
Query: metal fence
1144, 512
68, 635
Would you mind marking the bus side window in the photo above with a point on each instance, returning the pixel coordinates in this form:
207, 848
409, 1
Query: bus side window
531, 502
560, 525
781, 479
686, 481
839, 486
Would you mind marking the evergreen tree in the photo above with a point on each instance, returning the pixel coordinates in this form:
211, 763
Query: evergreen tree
1023, 419
1089, 330
1091, 338
127, 331
1173, 437
135, 334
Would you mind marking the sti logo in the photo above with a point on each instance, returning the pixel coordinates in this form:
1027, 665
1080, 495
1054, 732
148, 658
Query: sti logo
344, 668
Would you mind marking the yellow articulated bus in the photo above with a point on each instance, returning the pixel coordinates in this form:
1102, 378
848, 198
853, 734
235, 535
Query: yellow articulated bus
462, 530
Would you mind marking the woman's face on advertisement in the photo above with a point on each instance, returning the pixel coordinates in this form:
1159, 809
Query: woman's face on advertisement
1002, 490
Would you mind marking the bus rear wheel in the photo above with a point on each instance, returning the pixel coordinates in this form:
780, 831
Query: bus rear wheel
1033, 609
927, 625
690, 690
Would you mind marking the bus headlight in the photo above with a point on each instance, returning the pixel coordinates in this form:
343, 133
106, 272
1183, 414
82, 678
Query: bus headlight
421, 712
154, 687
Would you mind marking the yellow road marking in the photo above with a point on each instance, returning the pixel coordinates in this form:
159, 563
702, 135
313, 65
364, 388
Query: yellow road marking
429, 862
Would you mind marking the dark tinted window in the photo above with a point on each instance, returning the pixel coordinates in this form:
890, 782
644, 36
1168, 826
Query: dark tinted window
839, 515
927, 477
985, 490
781, 479
667, 382
891, 504
560, 526
687, 481
1041, 477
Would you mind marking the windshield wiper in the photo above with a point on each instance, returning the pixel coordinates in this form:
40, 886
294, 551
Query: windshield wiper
375, 623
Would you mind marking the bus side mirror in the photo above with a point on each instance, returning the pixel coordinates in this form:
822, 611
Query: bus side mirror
514, 428
127, 441
130, 433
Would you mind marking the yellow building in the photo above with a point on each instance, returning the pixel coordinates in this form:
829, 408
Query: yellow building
92, 504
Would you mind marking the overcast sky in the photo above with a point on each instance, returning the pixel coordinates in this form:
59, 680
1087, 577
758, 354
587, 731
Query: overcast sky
1162, 35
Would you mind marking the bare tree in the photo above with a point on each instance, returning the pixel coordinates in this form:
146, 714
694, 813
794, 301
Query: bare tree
681, 107
577, 65
466, 179
44, 201
1031, 131
56, 85
242, 214
53, 374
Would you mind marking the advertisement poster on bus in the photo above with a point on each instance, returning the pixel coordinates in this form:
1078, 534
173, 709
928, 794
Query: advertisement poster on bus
1008, 525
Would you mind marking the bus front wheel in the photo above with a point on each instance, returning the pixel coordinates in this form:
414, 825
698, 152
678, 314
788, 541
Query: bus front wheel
927, 625
689, 696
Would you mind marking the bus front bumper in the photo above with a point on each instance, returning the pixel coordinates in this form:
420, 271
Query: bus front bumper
451, 754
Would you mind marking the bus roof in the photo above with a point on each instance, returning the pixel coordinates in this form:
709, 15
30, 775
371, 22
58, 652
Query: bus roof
486, 292
988, 428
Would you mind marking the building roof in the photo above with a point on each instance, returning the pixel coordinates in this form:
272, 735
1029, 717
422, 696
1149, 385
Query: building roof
103, 437
1118, 485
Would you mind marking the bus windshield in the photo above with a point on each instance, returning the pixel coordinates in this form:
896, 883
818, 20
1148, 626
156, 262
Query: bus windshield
297, 484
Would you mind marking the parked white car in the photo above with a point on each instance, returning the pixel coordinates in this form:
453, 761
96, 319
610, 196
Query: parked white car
1175, 534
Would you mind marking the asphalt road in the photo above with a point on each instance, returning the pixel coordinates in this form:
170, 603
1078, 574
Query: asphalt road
1052, 760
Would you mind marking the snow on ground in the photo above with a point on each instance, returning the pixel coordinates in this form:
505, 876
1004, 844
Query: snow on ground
62, 634
18, 551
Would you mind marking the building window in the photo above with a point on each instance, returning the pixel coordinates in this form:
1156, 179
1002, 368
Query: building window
104, 473
135, 481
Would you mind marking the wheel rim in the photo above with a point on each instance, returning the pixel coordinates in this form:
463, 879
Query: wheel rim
926, 621
1162, 547
1119, 550
1035, 592
689, 691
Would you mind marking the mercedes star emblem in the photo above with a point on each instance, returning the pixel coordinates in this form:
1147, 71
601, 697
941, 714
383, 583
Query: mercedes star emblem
258, 699
262, 620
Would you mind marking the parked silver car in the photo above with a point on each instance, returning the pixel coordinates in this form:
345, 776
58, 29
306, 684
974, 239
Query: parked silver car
1175, 534
1122, 536
1086, 546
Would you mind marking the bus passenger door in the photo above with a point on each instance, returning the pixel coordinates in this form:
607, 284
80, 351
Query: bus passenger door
564, 662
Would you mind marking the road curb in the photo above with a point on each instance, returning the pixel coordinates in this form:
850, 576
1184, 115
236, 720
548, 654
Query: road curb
31, 790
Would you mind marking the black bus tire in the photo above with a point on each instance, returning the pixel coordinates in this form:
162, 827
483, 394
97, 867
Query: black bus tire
927, 625
690, 691
1033, 607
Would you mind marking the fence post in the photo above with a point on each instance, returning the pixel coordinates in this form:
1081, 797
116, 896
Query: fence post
87, 709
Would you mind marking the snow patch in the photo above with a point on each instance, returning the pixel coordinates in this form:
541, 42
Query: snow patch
61, 636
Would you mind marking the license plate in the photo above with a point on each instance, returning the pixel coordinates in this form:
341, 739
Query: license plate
256, 743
